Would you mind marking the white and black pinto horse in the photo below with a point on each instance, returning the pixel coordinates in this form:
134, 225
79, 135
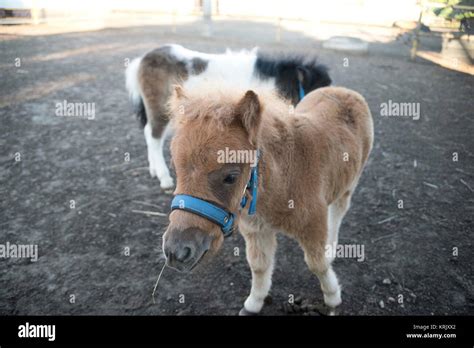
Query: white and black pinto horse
150, 78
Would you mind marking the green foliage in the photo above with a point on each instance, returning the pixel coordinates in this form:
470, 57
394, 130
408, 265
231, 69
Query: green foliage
450, 13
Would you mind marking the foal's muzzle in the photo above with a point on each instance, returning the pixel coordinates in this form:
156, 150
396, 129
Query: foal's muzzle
184, 249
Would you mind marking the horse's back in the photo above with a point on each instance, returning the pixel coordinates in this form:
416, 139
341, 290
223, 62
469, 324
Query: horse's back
341, 137
340, 111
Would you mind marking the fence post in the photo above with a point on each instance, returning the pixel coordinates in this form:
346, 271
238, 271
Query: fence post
278, 30
35, 13
174, 21
207, 15
416, 38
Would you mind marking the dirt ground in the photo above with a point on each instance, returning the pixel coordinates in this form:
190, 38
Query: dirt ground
410, 266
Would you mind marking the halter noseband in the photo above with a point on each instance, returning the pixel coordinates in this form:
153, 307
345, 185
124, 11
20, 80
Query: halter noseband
213, 211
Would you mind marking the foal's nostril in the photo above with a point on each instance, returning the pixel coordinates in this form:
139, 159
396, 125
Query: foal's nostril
184, 248
183, 254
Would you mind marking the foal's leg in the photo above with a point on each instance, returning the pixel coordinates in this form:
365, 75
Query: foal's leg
336, 212
155, 77
313, 244
156, 158
155, 94
260, 249
321, 266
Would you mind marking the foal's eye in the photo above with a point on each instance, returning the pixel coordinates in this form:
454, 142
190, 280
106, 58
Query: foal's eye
230, 179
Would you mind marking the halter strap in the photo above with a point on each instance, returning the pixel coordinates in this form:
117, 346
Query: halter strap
252, 186
213, 211
301, 90
205, 209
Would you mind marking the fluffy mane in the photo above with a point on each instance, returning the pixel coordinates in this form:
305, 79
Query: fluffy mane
217, 100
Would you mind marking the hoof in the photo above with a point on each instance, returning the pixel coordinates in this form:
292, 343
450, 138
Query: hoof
167, 183
243, 312
333, 300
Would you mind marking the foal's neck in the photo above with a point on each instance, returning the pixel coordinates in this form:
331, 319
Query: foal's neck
277, 146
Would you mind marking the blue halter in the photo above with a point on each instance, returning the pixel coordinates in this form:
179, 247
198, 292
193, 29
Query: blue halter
301, 90
213, 211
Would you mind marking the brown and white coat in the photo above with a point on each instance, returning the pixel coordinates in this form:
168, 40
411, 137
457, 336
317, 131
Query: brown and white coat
150, 78
313, 158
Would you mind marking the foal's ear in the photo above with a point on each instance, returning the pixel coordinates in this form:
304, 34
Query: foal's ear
249, 110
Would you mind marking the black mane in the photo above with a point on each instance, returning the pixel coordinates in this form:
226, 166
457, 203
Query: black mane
288, 70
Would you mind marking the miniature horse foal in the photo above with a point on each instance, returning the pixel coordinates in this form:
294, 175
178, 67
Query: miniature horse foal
309, 165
